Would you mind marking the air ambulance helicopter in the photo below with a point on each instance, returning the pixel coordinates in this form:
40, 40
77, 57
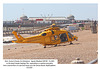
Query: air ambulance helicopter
51, 36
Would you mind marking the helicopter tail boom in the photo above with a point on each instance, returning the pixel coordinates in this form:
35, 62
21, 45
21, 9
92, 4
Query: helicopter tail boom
17, 35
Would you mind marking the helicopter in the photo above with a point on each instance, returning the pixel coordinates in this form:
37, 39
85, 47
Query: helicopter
51, 36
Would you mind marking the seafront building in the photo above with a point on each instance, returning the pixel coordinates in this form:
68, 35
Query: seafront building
46, 20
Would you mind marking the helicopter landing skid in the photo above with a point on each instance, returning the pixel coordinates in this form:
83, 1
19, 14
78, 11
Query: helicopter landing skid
55, 45
44, 46
71, 43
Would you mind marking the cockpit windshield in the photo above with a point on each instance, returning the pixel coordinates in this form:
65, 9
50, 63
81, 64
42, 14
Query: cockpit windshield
70, 35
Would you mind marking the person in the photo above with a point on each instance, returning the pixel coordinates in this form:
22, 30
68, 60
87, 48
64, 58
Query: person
63, 37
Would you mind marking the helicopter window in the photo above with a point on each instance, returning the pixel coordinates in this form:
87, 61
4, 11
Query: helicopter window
52, 32
56, 37
70, 35
44, 34
63, 37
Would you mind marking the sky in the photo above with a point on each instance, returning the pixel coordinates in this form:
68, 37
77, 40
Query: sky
81, 11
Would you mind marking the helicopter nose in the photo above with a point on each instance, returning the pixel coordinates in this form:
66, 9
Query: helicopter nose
76, 39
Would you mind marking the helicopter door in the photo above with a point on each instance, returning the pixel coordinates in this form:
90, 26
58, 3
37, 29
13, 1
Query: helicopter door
63, 37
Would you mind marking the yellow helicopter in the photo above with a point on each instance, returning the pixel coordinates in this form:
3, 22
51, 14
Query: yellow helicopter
51, 36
